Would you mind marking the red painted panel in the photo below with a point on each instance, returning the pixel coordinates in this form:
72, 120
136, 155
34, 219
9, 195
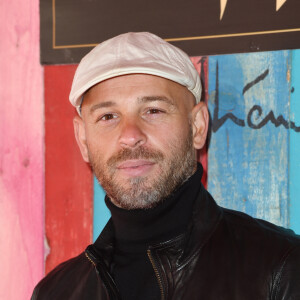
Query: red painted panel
68, 179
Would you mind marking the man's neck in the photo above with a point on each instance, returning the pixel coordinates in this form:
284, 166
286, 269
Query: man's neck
137, 229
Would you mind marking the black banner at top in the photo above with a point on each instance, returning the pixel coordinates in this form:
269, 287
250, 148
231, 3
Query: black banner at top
71, 28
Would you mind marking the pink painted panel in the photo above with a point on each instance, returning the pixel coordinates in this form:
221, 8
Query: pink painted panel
21, 150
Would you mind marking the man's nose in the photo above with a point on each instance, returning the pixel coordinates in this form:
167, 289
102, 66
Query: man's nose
132, 134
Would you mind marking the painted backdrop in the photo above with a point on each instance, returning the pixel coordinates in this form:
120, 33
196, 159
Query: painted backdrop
50, 204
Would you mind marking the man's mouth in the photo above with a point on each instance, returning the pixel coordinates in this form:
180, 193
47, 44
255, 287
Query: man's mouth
136, 167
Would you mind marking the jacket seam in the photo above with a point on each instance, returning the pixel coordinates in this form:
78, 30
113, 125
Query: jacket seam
278, 275
181, 266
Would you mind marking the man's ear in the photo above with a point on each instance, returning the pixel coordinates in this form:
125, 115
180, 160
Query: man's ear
79, 130
200, 119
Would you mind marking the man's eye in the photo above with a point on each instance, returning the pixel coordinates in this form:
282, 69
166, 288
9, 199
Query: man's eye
154, 111
107, 117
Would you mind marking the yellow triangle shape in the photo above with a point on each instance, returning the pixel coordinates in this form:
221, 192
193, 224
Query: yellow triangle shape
223, 4
279, 3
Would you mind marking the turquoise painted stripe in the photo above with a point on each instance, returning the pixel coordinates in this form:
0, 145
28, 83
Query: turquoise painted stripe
295, 144
248, 167
101, 213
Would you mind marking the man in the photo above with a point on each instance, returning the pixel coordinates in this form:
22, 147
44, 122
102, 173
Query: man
140, 124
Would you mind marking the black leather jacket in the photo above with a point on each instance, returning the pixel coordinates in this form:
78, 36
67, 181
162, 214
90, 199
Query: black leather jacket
224, 254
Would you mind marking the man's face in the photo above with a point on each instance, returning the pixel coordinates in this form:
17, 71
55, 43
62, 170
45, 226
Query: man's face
136, 132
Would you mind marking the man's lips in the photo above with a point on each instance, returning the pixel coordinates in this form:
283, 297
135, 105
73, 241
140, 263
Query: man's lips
136, 167
136, 163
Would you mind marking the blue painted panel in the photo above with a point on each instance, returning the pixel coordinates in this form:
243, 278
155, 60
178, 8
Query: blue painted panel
248, 153
101, 213
295, 144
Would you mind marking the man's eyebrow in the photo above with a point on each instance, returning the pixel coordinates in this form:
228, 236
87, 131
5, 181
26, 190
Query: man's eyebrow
141, 100
102, 104
156, 98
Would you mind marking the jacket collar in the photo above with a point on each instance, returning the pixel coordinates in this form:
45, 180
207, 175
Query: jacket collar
206, 216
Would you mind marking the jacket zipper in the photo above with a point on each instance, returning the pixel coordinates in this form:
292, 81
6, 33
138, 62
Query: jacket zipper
111, 287
88, 257
157, 274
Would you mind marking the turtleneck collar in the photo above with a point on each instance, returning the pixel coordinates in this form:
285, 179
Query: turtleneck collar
137, 229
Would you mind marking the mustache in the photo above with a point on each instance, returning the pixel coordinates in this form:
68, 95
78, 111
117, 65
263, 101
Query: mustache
138, 153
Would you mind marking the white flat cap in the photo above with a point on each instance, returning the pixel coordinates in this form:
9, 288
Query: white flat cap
134, 53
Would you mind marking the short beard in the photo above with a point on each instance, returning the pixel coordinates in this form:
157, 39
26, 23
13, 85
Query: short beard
141, 192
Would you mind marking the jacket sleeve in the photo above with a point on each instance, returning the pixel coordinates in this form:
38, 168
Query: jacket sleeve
287, 282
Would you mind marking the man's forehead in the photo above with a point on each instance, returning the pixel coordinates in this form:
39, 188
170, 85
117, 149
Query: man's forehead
143, 87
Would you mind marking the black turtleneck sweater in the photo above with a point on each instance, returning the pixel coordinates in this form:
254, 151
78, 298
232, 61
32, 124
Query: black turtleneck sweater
136, 229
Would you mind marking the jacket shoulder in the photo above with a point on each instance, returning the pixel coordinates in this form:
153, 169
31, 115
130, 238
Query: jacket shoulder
258, 228
64, 279
270, 248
